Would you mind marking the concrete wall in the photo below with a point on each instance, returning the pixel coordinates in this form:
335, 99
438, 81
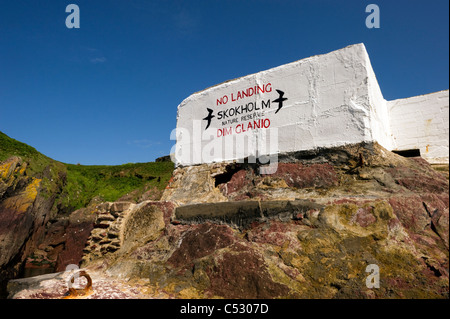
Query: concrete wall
379, 115
422, 122
329, 100
332, 100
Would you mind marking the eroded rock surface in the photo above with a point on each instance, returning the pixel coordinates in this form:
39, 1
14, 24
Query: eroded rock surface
25, 208
308, 231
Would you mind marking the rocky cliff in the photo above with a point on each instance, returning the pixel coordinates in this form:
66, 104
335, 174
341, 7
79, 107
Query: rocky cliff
25, 209
47, 207
314, 229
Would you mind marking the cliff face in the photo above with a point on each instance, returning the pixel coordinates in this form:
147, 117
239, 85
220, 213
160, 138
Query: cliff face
317, 228
47, 208
25, 208
313, 229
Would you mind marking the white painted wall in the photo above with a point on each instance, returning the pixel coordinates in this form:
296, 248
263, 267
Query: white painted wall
422, 122
379, 114
333, 99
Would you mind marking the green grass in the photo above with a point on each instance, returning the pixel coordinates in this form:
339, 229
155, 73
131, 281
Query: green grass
37, 162
83, 183
111, 182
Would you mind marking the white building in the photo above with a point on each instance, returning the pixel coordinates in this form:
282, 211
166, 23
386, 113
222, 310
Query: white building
323, 101
421, 123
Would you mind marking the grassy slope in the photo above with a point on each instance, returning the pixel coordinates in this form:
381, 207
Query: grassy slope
83, 183
112, 182
37, 162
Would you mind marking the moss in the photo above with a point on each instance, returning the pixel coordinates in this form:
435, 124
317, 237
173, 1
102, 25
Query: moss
74, 186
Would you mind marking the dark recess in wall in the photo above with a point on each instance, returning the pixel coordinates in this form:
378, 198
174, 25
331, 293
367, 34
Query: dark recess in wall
408, 153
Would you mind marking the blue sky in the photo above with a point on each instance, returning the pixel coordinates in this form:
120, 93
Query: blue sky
107, 93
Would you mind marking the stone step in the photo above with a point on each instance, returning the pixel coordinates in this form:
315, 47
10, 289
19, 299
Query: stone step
105, 217
113, 234
103, 224
117, 208
109, 248
115, 242
97, 234
105, 241
243, 213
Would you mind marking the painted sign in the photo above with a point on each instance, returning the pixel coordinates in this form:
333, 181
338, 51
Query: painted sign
322, 101
246, 115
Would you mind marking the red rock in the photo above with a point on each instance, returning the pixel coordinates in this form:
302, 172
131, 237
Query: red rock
411, 212
236, 183
364, 216
440, 224
201, 241
275, 233
25, 209
81, 222
243, 274
423, 180
302, 176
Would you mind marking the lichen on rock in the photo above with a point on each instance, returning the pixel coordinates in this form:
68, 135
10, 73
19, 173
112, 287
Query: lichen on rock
310, 231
